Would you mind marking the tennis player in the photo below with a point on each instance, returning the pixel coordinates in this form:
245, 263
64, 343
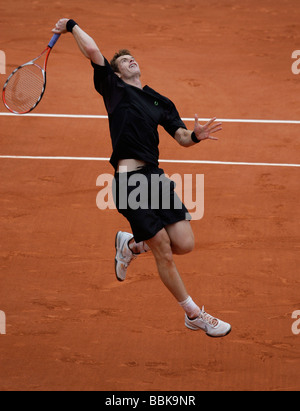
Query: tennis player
135, 112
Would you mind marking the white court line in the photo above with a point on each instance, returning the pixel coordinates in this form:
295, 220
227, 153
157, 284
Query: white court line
231, 163
83, 116
88, 116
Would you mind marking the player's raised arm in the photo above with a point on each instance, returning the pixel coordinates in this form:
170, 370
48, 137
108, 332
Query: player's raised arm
86, 44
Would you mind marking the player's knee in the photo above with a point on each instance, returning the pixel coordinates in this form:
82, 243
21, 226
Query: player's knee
186, 249
185, 246
189, 245
162, 249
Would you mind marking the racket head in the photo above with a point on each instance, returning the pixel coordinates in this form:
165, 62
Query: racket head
24, 88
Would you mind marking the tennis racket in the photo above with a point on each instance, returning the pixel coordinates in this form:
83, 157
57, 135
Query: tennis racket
25, 87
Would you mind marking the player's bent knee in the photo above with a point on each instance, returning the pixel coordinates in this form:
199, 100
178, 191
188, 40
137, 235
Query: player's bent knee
186, 246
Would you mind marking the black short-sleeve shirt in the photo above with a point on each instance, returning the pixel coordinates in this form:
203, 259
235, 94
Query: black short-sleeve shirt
134, 115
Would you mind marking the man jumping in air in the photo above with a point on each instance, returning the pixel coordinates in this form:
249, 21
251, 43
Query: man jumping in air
135, 112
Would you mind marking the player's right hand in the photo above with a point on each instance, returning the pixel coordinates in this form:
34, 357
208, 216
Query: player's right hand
61, 26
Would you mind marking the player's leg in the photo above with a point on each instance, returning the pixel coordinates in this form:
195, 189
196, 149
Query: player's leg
195, 318
182, 237
161, 248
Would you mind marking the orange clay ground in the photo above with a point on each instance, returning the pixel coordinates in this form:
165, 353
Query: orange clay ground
70, 324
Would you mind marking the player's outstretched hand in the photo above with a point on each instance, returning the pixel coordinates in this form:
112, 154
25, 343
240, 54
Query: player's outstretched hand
204, 132
61, 26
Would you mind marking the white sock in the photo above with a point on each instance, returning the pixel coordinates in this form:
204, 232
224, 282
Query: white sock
192, 310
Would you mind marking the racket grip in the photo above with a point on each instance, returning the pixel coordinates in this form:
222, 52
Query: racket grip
53, 40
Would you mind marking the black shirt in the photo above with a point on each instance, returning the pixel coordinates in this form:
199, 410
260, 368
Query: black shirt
134, 116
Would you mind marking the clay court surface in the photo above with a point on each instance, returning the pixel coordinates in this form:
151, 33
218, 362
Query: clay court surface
70, 324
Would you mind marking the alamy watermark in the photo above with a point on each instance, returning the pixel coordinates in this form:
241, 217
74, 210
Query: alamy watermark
2, 323
296, 324
2, 62
296, 64
136, 191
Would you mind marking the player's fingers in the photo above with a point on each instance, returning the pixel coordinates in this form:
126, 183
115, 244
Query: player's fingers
216, 130
210, 122
216, 127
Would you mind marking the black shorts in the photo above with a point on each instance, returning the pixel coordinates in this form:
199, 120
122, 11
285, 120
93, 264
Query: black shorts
147, 199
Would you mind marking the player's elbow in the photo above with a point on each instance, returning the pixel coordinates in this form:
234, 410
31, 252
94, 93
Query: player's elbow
96, 57
183, 142
179, 136
91, 51
182, 137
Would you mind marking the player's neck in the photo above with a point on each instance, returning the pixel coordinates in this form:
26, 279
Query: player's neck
134, 81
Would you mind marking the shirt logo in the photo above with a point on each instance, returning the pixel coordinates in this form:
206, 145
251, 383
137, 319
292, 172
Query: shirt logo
156, 103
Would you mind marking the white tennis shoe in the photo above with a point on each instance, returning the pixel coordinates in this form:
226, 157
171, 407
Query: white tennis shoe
211, 325
124, 255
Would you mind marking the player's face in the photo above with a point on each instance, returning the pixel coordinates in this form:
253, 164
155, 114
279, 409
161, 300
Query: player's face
128, 67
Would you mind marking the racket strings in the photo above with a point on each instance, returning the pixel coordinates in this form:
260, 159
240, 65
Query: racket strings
25, 88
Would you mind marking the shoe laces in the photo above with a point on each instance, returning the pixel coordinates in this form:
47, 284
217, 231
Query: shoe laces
208, 319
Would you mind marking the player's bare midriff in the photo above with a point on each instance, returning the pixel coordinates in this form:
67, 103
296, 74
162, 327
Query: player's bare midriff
131, 164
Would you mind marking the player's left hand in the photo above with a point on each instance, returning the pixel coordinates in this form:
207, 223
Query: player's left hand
204, 132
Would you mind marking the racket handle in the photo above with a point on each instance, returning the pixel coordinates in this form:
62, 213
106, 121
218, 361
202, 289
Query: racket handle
53, 40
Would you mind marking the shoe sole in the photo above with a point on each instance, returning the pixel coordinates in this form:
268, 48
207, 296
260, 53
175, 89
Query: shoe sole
116, 261
219, 336
211, 336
